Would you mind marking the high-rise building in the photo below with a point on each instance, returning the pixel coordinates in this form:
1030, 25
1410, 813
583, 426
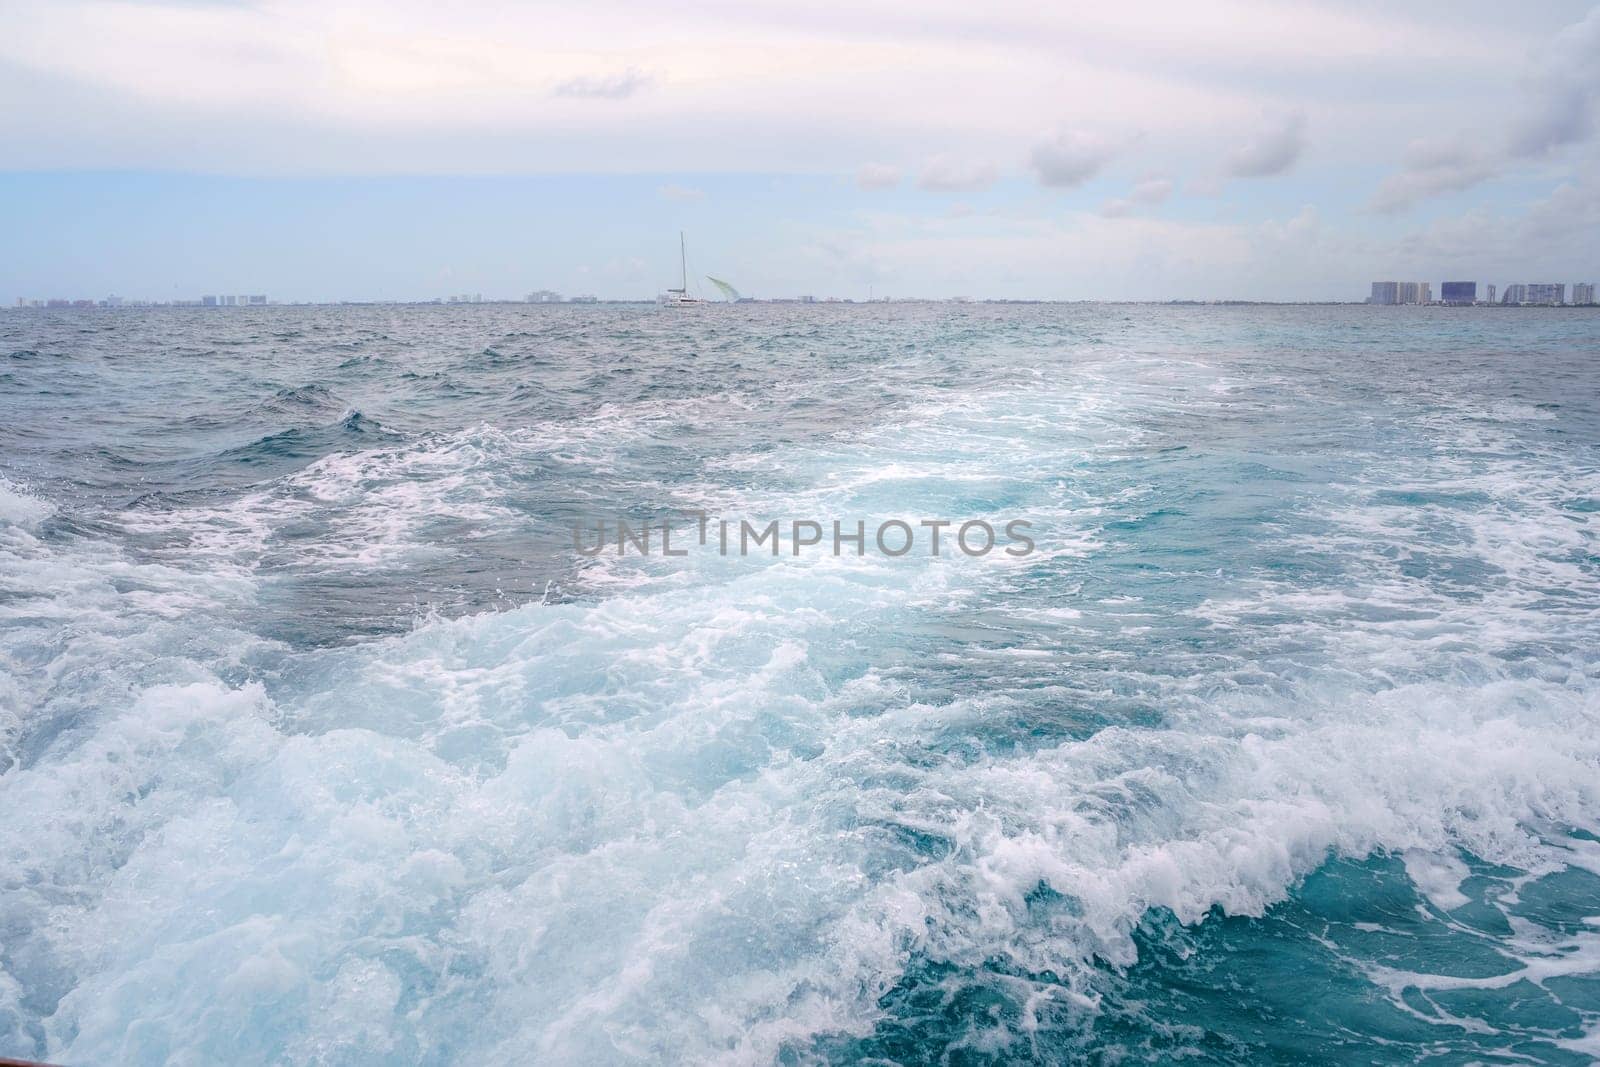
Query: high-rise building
1401, 293
1491, 294
1547, 293
258, 299
1458, 292
544, 296
208, 301
1583, 292
1515, 294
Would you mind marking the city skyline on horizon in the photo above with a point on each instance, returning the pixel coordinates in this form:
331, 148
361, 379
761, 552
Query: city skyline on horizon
1382, 294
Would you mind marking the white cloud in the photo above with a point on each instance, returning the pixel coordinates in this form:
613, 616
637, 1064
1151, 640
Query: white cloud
1081, 255
1434, 166
1070, 158
604, 87
1148, 193
1152, 191
948, 174
405, 86
318, 86
1561, 94
877, 176
1553, 239
1272, 149
1301, 229
1563, 90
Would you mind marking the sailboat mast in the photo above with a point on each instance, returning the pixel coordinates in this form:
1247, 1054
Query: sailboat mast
683, 263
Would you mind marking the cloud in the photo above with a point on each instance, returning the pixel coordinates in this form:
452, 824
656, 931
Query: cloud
623, 267
606, 86
1152, 190
1302, 230
877, 176
1070, 158
304, 86
1562, 91
681, 193
1076, 255
1148, 193
1273, 149
1558, 106
1434, 166
1554, 238
946, 174
1571, 211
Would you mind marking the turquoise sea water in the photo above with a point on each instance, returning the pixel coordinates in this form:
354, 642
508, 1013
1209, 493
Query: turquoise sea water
319, 743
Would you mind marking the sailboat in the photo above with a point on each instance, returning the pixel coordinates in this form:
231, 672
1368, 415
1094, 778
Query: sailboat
680, 297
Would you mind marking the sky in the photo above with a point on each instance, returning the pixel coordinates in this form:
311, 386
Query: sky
327, 150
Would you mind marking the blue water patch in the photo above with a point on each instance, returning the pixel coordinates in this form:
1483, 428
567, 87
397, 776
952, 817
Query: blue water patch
320, 741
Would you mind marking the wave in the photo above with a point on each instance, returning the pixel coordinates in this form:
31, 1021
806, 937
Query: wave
18, 508
746, 810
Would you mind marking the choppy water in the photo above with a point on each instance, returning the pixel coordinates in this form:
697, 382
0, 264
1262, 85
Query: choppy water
319, 743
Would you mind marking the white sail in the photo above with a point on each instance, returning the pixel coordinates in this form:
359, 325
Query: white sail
680, 297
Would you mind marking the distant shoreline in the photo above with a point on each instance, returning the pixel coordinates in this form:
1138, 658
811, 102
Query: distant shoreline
787, 303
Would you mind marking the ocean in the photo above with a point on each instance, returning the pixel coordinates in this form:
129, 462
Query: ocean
322, 742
